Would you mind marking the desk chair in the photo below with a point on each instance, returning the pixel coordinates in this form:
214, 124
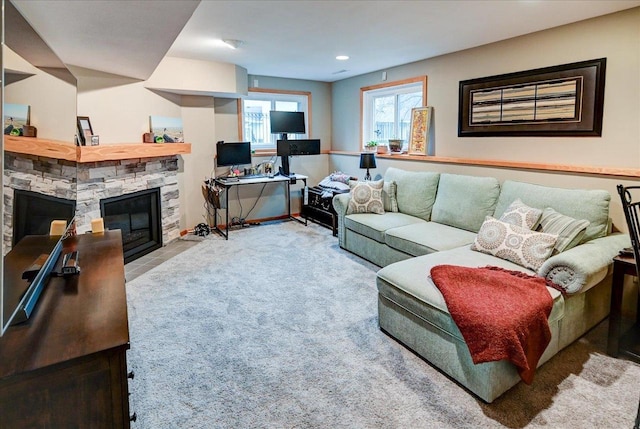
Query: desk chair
630, 197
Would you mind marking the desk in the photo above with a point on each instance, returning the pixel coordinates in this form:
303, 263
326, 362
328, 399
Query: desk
629, 343
226, 185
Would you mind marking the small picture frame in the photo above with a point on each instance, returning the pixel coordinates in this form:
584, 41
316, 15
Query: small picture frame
84, 129
419, 135
95, 140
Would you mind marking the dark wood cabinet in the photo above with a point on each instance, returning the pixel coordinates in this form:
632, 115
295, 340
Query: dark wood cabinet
320, 209
66, 366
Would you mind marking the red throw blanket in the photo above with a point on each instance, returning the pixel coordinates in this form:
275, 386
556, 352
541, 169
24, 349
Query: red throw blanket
501, 314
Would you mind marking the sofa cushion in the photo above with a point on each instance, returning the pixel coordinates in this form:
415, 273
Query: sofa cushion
366, 197
427, 237
465, 201
514, 243
592, 205
569, 230
374, 225
408, 284
518, 213
415, 191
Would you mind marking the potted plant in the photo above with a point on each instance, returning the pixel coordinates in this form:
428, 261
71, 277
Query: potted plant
371, 146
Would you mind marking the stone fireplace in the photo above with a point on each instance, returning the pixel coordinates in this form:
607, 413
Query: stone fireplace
89, 175
98, 181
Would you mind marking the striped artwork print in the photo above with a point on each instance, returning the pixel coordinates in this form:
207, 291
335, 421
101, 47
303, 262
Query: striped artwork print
532, 102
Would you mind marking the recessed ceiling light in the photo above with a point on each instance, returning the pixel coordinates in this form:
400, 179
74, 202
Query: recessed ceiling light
342, 57
232, 43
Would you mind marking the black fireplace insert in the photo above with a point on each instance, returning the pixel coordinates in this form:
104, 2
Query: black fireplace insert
33, 213
137, 215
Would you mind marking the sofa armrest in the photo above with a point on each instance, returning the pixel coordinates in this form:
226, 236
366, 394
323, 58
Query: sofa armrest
582, 267
340, 203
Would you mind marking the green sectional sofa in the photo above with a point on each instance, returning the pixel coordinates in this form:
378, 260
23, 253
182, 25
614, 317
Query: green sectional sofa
437, 219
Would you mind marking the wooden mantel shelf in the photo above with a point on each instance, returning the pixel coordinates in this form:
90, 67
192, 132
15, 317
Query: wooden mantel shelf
113, 152
107, 152
40, 147
563, 168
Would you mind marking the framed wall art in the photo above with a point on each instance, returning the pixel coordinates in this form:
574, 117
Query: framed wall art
419, 133
564, 100
84, 130
166, 129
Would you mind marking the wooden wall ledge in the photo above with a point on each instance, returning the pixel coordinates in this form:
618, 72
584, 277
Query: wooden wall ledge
108, 152
516, 165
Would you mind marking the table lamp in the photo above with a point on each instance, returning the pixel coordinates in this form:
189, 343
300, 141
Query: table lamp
367, 160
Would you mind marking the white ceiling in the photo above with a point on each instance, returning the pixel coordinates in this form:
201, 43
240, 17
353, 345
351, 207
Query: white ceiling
294, 39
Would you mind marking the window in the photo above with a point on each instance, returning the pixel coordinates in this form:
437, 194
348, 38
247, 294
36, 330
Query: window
386, 109
255, 115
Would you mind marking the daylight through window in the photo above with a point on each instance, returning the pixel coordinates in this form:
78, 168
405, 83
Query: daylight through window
386, 109
255, 115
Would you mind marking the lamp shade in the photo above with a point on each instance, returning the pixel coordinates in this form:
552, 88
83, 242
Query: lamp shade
367, 160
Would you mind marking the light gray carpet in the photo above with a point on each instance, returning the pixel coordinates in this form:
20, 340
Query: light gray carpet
277, 328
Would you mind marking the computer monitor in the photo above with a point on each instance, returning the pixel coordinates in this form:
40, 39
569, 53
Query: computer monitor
233, 153
286, 148
286, 123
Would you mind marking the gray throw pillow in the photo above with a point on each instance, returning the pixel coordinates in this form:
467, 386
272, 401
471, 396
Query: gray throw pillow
570, 231
389, 199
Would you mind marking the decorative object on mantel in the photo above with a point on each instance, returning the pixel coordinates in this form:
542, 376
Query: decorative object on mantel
367, 160
84, 130
419, 138
16, 117
148, 138
95, 140
169, 130
559, 101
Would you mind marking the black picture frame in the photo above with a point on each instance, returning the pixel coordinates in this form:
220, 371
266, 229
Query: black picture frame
84, 125
559, 101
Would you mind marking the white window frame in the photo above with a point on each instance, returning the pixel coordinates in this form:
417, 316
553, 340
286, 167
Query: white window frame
370, 93
303, 98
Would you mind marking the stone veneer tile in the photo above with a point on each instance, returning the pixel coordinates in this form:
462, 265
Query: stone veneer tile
91, 182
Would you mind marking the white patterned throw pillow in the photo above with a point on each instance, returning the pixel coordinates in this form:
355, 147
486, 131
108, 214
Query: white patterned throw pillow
520, 214
366, 197
513, 243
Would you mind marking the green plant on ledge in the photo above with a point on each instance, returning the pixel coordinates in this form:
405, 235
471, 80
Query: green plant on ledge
371, 146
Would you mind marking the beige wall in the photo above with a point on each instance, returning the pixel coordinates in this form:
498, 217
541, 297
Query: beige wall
52, 100
119, 109
616, 37
198, 77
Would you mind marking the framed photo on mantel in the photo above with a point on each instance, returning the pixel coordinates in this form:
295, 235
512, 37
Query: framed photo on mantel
565, 100
84, 130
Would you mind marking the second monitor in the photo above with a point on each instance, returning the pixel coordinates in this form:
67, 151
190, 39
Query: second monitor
288, 148
298, 147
